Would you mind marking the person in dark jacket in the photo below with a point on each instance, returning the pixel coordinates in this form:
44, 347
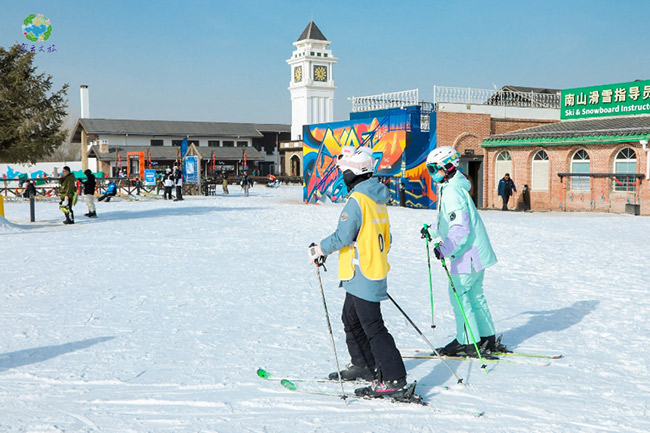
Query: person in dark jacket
30, 190
89, 193
506, 188
111, 191
68, 194
178, 180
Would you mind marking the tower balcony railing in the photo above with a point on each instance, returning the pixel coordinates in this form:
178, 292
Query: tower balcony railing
507, 98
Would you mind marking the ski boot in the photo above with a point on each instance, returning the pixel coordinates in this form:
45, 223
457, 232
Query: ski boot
452, 349
92, 215
354, 372
396, 390
491, 344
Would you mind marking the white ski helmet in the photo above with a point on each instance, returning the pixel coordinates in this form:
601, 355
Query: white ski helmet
445, 158
358, 160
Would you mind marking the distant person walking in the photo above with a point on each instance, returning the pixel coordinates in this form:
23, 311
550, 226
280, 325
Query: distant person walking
506, 188
244, 184
168, 184
224, 183
68, 194
178, 179
89, 193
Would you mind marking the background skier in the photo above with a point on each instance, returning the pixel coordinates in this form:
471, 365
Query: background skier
362, 238
465, 242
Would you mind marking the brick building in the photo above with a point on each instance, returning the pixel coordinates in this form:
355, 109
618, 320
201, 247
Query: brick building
465, 117
594, 164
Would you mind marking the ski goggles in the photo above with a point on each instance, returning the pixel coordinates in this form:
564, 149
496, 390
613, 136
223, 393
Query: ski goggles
433, 168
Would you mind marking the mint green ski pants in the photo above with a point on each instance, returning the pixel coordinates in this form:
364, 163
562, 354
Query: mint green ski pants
470, 293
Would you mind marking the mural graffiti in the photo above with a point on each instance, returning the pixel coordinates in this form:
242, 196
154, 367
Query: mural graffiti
400, 151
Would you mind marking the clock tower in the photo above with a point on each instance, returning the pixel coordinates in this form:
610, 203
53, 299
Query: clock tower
312, 84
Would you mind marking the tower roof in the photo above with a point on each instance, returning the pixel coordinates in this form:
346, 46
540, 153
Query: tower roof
312, 32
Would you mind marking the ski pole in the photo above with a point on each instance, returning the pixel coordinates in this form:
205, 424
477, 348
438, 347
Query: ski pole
425, 339
321, 262
427, 238
462, 310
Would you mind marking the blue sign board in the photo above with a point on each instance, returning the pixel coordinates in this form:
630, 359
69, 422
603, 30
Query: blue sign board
191, 169
150, 177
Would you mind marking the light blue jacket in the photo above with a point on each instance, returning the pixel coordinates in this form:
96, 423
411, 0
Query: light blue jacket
464, 238
346, 234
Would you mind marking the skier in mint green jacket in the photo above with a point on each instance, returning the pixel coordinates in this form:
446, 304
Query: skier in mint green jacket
466, 245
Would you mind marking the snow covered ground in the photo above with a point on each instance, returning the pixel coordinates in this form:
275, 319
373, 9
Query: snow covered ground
155, 316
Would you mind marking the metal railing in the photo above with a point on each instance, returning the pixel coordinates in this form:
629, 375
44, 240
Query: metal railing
383, 101
508, 98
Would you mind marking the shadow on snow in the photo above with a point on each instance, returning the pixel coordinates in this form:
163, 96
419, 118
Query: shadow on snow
548, 321
539, 322
172, 211
40, 354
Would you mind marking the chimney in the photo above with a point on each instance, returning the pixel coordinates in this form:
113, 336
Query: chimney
85, 103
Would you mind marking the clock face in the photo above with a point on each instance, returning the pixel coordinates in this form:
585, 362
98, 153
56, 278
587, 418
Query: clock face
297, 74
320, 73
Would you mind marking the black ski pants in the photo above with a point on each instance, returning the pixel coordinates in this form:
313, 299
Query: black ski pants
167, 193
179, 192
504, 199
368, 340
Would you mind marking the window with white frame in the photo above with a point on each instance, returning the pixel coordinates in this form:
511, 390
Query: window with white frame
540, 171
503, 165
580, 164
625, 162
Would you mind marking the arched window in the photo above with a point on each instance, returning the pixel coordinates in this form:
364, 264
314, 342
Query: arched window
580, 164
625, 162
503, 166
540, 171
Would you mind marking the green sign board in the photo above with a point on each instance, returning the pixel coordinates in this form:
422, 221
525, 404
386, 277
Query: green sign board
610, 100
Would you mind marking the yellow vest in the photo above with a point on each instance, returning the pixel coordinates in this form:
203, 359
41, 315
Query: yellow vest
370, 251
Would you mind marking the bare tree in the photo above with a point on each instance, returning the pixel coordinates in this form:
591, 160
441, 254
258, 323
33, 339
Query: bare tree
67, 151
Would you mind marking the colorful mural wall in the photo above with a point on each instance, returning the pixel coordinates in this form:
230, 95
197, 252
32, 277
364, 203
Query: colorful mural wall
400, 149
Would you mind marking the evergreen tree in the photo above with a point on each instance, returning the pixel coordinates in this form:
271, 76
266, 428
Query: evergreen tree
30, 120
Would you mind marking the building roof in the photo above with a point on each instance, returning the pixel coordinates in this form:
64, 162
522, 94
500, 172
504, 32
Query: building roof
595, 130
530, 89
170, 153
172, 128
272, 127
312, 32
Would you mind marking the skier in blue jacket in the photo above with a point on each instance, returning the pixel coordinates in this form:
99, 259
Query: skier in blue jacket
466, 245
111, 191
362, 238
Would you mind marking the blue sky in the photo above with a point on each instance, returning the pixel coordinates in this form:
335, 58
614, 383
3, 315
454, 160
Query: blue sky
225, 60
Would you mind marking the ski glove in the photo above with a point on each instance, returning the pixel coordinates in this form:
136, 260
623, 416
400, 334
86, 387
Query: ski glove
315, 254
437, 251
425, 233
